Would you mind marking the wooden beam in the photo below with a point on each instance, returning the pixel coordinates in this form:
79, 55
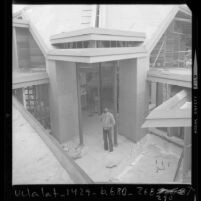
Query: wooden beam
74, 171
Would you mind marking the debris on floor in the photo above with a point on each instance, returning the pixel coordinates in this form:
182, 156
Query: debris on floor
151, 160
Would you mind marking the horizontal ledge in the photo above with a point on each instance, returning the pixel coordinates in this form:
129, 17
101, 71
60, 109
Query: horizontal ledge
164, 135
95, 59
90, 52
175, 81
26, 77
157, 123
96, 37
29, 83
20, 23
99, 31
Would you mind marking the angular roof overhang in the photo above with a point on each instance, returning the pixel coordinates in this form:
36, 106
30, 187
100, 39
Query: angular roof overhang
175, 112
97, 34
27, 79
20, 23
94, 55
164, 25
174, 76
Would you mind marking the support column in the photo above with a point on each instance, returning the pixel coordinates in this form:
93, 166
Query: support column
133, 97
115, 102
159, 94
63, 98
153, 92
100, 88
79, 106
142, 106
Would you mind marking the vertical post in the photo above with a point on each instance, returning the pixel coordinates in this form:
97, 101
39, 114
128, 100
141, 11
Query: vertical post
24, 98
14, 51
115, 101
187, 151
153, 93
100, 88
99, 110
79, 106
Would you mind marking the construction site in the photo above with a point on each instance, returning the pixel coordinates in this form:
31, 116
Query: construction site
72, 61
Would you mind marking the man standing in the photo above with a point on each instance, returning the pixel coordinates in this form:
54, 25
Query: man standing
108, 121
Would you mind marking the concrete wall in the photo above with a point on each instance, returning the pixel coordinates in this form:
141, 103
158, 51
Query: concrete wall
63, 100
54, 108
142, 95
133, 97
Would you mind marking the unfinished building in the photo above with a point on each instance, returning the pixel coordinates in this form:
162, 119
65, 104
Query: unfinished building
135, 60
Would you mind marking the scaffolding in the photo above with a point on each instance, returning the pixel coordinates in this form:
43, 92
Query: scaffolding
174, 49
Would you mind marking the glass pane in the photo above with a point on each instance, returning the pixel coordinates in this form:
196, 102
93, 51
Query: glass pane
107, 85
30, 57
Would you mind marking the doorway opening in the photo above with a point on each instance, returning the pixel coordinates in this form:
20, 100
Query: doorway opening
98, 90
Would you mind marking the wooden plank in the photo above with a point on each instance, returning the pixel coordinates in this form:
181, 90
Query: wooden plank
74, 171
79, 106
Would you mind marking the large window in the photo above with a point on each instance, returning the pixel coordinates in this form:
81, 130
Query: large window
30, 57
36, 100
97, 44
175, 46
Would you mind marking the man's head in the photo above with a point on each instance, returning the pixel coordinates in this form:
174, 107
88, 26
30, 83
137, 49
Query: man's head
105, 110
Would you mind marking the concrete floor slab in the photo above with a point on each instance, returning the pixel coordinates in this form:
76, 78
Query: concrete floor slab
33, 162
129, 162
